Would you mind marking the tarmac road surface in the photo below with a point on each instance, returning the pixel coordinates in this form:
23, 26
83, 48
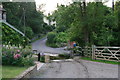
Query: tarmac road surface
72, 69
78, 69
40, 45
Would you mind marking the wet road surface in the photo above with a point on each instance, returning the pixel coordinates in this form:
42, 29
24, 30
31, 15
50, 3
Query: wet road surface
40, 45
78, 69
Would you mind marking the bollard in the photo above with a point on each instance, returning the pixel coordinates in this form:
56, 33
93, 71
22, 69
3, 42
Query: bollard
38, 56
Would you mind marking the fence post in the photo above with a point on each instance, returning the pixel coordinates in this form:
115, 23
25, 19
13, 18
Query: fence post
85, 51
93, 52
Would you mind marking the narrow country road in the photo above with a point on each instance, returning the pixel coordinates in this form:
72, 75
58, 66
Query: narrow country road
40, 45
78, 69
72, 69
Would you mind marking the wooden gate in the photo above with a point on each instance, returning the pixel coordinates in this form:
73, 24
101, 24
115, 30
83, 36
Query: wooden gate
87, 51
106, 53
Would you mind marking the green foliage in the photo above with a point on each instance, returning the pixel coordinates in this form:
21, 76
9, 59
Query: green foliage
8, 57
61, 37
26, 62
29, 32
57, 39
42, 59
102, 61
54, 58
89, 24
51, 37
64, 56
61, 56
20, 13
11, 37
12, 71
47, 28
64, 16
60, 28
53, 45
116, 30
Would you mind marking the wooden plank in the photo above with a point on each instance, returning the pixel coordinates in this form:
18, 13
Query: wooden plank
107, 59
107, 47
112, 53
109, 54
108, 51
105, 56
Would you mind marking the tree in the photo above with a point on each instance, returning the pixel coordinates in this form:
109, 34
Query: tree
23, 15
89, 23
117, 28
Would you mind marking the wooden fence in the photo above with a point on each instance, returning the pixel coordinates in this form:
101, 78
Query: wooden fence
107, 53
87, 51
103, 53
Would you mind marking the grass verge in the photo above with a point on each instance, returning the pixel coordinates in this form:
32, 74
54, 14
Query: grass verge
103, 61
11, 71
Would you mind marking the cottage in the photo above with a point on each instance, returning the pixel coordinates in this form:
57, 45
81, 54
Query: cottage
3, 20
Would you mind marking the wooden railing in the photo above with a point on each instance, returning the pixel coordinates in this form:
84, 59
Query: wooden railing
102, 53
106, 53
87, 51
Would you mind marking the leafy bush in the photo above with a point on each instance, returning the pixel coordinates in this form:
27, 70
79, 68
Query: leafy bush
61, 37
51, 37
11, 37
53, 45
26, 62
56, 39
66, 56
54, 57
16, 57
7, 58
27, 53
42, 59
51, 40
29, 32
61, 28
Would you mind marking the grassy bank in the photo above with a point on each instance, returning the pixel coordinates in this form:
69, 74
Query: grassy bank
103, 61
11, 71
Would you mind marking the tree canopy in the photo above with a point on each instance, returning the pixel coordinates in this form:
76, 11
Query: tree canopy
25, 17
89, 23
